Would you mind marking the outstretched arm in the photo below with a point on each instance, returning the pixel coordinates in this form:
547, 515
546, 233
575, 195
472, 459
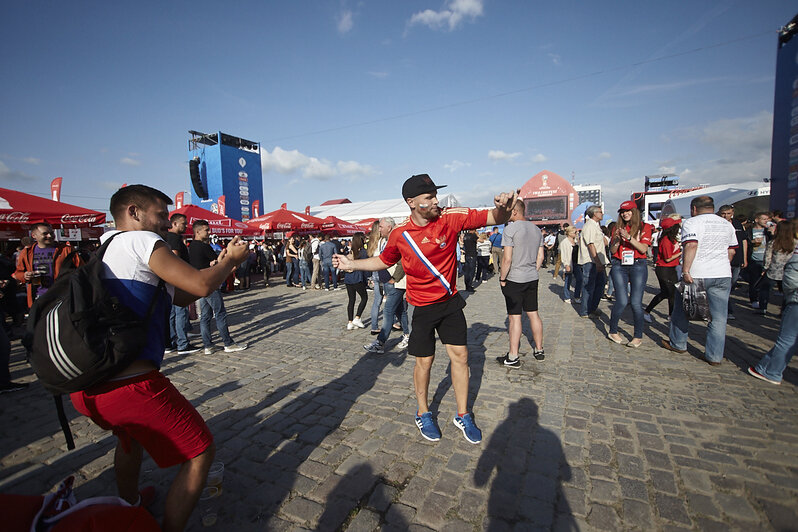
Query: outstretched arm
503, 206
371, 264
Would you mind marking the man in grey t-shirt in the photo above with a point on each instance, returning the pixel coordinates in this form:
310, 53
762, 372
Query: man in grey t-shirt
522, 256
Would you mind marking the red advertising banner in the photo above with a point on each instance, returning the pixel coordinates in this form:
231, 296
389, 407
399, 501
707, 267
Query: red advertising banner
55, 188
220, 203
179, 200
256, 208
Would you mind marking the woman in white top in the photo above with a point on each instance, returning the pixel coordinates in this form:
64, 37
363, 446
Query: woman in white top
566, 259
483, 257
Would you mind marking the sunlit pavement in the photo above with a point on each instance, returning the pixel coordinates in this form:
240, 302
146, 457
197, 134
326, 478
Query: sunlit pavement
317, 434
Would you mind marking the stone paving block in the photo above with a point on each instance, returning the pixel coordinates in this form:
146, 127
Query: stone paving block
601, 471
630, 466
573, 501
633, 489
433, 510
603, 517
657, 459
364, 521
671, 508
636, 514
736, 507
663, 481
624, 446
600, 453
702, 505
696, 480
302, 511
400, 514
415, 492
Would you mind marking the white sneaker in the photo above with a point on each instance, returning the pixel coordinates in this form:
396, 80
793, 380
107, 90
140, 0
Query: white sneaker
647, 317
357, 322
404, 342
209, 350
235, 347
350, 326
567, 301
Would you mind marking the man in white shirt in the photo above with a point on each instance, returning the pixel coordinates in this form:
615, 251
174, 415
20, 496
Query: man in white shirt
709, 243
314, 247
592, 261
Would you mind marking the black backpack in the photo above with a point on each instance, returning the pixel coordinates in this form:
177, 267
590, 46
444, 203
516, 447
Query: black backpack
308, 252
79, 334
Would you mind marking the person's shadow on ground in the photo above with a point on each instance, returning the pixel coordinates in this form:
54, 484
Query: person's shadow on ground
530, 466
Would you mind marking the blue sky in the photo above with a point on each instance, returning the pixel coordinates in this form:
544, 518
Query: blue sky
350, 98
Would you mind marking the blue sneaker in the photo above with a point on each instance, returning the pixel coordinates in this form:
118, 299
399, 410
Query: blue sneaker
470, 430
429, 429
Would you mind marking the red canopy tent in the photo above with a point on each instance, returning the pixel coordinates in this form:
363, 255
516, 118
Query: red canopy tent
283, 220
331, 224
220, 225
365, 224
19, 210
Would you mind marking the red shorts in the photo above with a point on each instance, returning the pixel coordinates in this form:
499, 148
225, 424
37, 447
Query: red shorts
148, 409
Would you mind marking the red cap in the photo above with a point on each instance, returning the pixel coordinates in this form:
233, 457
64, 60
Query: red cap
627, 206
668, 223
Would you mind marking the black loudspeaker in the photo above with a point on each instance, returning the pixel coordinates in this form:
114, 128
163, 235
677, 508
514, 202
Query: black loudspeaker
196, 181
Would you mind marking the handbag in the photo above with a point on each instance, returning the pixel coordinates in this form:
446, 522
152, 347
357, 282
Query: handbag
694, 300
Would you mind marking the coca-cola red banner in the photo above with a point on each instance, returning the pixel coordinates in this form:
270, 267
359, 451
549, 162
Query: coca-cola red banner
55, 188
220, 203
20, 209
178, 200
256, 208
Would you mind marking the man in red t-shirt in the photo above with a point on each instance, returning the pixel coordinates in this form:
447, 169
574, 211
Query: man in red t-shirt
426, 243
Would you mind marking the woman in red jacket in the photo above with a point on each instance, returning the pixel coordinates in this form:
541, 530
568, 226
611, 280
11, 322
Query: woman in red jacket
670, 252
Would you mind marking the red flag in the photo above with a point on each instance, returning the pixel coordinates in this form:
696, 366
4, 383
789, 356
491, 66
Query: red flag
55, 188
220, 202
307, 210
179, 200
284, 206
256, 208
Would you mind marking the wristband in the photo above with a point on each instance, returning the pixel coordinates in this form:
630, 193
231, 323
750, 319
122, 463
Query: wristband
502, 280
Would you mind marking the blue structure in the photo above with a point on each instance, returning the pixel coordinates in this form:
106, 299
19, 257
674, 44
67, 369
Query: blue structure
228, 166
784, 160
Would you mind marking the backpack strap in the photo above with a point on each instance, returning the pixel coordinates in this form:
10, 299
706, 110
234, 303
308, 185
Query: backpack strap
62, 419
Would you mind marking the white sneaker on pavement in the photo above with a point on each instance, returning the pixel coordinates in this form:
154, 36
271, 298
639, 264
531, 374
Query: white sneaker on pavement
404, 342
350, 326
234, 347
357, 322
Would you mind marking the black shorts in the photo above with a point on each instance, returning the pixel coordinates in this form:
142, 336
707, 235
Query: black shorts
446, 318
520, 296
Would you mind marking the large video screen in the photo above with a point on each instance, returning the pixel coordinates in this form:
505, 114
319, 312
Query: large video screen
543, 209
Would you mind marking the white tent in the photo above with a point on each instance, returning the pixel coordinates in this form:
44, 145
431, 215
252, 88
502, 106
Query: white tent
393, 208
746, 197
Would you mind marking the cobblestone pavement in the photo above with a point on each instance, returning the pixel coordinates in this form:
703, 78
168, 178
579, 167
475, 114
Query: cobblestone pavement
316, 434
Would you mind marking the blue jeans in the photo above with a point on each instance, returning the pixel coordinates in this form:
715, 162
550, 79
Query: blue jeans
566, 289
328, 271
394, 300
304, 273
576, 273
211, 306
773, 363
635, 275
734, 277
178, 322
289, 272
592, 288
375, 305
718, 290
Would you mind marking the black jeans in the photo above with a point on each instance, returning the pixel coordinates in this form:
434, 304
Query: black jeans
351, 290
483, 266
667, 278
468, 271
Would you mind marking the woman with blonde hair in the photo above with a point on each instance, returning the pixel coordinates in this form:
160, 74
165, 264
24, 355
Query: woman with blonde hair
566, 260
355, 282
483, 258
629, 244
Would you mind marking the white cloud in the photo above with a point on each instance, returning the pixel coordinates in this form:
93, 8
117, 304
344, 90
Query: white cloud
379, 74
129, 162
32, 160
604, 155
7, 175
454, 13
555, 58
111, 186
539, 158
456, 165
290, 162
345, 22
499, 155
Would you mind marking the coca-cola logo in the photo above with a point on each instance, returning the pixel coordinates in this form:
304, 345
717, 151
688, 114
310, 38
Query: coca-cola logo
307, 225
15, 217
283, 225
78, 218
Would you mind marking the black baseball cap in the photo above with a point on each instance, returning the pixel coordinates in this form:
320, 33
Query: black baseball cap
419, 184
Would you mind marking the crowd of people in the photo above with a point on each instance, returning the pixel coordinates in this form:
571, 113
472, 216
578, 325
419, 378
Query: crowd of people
708, 254
411, 270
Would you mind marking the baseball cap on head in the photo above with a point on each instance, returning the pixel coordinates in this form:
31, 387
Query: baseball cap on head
627, 206
419, 184
667, 223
